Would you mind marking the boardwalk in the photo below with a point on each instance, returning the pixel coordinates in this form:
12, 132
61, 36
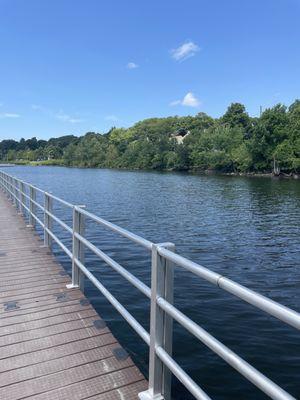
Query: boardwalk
53, 344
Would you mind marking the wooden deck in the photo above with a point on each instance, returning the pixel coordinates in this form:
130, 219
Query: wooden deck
53, 344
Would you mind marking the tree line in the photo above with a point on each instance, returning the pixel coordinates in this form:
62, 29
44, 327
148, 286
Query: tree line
235, 142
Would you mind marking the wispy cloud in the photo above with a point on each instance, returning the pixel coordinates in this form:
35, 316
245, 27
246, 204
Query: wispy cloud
60, 115
9, 115
189, 100
112, 118
185, 51
67, 118
132, 65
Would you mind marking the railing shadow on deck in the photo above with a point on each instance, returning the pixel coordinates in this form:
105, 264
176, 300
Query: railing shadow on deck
162, 310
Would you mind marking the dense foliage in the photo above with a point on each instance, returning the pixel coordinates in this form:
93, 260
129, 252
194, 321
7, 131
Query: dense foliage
235, 142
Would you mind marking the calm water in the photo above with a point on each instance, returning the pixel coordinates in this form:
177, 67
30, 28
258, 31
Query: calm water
244, 228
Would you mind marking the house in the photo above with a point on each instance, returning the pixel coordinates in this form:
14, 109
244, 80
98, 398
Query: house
180, 135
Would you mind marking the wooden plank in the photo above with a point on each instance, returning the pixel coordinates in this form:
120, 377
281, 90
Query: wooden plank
56, 365
52, 353
63, 378
46, 298
100, 384
53, 344
27, 305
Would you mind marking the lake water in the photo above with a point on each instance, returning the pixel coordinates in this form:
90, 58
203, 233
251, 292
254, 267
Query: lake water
244, 228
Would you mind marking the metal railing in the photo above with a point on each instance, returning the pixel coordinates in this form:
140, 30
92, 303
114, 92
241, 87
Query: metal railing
162, 311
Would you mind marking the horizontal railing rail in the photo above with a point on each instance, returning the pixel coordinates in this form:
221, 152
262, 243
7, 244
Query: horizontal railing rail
162, 311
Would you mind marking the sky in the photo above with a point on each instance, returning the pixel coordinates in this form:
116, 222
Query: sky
73, 66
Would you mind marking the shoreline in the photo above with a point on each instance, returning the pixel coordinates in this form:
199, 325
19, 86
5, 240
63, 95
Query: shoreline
59, 163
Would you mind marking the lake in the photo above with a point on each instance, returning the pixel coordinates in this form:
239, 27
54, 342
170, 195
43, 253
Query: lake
244, 228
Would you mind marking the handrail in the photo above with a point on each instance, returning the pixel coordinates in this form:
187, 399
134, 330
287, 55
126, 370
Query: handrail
277, 310
115, 228
116, 266
161, 292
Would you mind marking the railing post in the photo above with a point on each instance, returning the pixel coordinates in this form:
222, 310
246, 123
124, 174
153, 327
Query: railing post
8, 187
6, 184
48, 206
2, 181
13, 191
18, 194
161, 325
22, 198
78, 249
16, 197
32, 206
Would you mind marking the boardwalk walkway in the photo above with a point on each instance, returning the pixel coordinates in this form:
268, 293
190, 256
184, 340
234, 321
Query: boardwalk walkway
53, 344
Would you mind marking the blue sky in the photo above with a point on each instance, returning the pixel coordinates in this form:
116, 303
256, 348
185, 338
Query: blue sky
72, 66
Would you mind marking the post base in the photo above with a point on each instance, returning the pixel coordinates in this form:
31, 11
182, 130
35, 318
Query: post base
148, 395
71, 286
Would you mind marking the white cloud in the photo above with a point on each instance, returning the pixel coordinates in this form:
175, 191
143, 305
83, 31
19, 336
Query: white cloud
186, 50
9, 115
132, 65
112, 118
67, 118
189, 100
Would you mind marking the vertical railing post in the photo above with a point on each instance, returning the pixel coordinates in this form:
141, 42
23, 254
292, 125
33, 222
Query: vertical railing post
78, 249
48, 206
32, 206
8, 187
22, 198
161, 325
15, 192
12, 189
18, 194
6, 184
3, 181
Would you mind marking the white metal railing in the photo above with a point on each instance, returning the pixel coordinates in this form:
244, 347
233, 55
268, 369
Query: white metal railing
162, 312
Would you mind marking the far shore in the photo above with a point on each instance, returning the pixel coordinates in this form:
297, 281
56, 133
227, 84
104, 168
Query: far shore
60, 163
